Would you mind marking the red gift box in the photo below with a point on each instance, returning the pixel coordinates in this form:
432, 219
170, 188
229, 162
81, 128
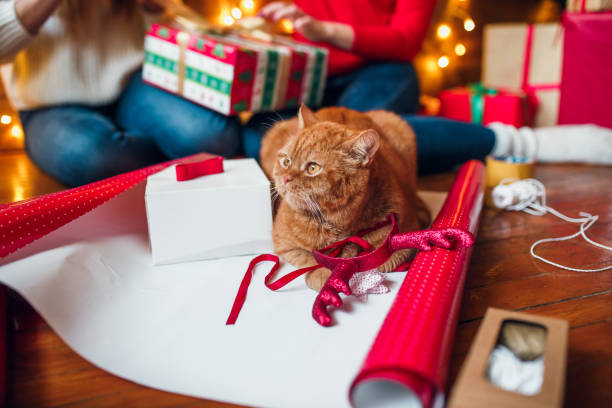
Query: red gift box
482, 105
587, 69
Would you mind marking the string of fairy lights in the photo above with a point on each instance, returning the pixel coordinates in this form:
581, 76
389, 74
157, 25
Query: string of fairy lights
8, 126
456, 11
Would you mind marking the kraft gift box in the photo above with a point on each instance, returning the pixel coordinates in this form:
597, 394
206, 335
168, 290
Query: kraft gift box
526, 57
473, 389
582, 6
213, 216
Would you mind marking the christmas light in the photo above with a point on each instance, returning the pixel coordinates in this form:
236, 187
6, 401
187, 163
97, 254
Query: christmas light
469, 24
228, 20
18, 192
248, 5
443, 61
460, 49
443, 31
431, 65
6, 119
236, 13
286, 25
16, 131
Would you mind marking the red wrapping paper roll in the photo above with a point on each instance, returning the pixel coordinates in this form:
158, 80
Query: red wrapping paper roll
23, 222
408, 362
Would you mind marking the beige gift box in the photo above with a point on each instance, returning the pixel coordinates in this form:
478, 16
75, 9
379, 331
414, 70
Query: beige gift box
579, 6
527, 57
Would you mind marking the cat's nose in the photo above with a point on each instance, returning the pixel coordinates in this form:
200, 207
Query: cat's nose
287, 179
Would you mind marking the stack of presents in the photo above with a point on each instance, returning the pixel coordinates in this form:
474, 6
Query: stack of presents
542, 74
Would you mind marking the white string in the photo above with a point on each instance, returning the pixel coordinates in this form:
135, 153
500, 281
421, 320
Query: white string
529, 195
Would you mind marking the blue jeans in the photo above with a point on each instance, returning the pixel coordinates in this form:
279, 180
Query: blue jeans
81, 144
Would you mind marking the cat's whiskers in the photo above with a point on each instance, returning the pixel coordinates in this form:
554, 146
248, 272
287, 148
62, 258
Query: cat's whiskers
274, 194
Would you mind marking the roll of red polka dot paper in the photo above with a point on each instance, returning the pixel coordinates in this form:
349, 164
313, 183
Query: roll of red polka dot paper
24, 222
408, 362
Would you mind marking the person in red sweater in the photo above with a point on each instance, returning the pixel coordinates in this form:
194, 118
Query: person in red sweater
371, 45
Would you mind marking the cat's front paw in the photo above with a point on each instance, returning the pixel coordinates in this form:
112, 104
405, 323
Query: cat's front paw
398, 258
317, 278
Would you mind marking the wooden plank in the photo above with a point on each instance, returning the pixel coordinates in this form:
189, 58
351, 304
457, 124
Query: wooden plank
533, 291
21, 179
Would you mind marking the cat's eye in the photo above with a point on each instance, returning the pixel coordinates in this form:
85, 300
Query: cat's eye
313, 168
285, 161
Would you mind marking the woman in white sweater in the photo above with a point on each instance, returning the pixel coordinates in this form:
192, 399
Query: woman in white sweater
71, 69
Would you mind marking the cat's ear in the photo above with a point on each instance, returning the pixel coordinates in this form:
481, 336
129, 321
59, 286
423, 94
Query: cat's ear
364, 146
306, 117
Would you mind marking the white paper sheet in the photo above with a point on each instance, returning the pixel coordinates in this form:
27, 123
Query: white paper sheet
164, 326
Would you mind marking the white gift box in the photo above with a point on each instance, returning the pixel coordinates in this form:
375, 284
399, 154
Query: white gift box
213, 216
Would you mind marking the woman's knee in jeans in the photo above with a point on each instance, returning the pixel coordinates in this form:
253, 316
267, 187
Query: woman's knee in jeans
209, 132
75, 146
387, 85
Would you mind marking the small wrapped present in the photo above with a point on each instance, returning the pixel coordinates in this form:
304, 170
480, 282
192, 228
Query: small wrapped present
587, 69
211, 216
230, 73
526, 57
583, 6
478, 104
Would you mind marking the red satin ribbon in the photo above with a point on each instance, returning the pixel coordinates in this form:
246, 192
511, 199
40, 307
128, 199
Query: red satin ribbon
284, 280
530, 90
344, 268
191, 170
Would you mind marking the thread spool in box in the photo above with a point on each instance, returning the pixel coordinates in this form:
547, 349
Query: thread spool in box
503, 167
474, 390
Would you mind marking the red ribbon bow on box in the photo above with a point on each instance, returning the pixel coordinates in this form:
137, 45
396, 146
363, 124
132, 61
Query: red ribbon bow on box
195, 169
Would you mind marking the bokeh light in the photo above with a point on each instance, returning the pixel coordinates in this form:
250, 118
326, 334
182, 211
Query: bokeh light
460, 49
6, 119
469, 24
443, 61
236, 13
247, 5
16, 131
444, 31
286, 25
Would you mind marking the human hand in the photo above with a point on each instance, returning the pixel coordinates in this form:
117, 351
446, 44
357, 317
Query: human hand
309, 27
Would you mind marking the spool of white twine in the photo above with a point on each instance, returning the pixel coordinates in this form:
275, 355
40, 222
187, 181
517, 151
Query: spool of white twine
529, 195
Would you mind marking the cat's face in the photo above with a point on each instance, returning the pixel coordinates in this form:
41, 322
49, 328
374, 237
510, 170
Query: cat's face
323, 164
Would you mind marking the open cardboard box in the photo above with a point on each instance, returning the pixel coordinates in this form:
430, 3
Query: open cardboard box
474, 390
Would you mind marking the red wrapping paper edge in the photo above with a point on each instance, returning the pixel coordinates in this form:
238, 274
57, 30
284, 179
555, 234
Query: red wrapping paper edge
414, 343
23, 222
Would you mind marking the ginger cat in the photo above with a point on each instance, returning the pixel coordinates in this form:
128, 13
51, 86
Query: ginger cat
338, 172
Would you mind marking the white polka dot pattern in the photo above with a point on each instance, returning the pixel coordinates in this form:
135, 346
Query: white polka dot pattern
414, 343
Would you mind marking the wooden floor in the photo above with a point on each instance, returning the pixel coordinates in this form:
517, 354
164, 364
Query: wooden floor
43, 371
